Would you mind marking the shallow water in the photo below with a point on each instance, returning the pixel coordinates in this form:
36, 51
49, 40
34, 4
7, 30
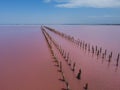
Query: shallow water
107, 36
26, 62
99, 73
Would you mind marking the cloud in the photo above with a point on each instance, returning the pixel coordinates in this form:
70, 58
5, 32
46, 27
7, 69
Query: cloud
47, 1
87, 3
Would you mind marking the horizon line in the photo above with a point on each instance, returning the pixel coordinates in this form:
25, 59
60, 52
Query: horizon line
60, 24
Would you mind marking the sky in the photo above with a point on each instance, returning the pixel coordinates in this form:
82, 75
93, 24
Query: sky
59, 11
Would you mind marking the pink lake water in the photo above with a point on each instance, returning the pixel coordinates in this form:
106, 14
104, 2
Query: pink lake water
26, 62
99, 73
107, 36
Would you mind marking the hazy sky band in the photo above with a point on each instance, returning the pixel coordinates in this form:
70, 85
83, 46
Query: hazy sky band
59, 12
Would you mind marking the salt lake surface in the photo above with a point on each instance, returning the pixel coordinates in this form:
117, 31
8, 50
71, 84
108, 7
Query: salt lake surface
25, 60
26, 64
99, 73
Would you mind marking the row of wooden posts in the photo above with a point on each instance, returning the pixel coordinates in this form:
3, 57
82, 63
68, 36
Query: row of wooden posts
95, 50
56, 61
66, 58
